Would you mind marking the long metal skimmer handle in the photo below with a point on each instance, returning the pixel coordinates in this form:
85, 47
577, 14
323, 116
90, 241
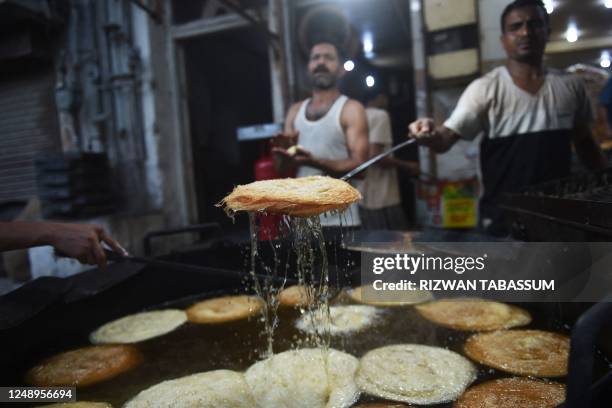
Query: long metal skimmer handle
375, 159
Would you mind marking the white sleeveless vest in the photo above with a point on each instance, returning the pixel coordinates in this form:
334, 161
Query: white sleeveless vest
325, 139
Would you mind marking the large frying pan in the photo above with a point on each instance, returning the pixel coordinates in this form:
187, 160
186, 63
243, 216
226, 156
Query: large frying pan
127, 287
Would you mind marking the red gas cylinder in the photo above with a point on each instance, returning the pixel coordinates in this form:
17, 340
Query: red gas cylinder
265, 170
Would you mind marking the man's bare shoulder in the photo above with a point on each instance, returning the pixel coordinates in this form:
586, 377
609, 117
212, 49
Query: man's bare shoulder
293, 111
354, 104
353, 109
295, 107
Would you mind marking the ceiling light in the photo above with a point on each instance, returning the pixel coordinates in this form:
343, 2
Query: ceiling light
349, 65
549, 5
604, 61
572, 34
368, 44
415, 6
608, 3
370, 81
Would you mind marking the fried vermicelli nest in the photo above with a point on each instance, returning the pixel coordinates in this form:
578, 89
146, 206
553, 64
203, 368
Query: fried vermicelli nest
367, 295
523, 352
474, 314
513, 392
138, 327
415, 374
304, 378
84, 366
218, 389
80, 404
225, 309
300, 197
296, 295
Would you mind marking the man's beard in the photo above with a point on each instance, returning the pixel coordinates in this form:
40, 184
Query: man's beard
533, 55
323, 82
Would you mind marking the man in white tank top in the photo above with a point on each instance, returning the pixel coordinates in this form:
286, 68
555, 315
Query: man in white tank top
329, 129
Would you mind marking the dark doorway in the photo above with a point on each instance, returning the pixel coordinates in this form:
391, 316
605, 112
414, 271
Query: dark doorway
228, 86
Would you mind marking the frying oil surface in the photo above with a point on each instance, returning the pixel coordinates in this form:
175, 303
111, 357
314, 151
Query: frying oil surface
195, 348
238, 345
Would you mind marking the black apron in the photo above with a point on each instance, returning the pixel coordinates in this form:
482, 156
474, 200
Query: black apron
510, 164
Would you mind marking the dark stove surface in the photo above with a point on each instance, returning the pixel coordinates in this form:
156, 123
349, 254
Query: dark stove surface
586, 186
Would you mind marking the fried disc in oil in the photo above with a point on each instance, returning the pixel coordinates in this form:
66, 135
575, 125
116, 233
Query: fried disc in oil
305, 378
220, 388
224, 309
342, 319
84, 366
513, 392
301, 197
139, 327
295, 295
474, 314
415, 374
80, 404
524, 352
366, 294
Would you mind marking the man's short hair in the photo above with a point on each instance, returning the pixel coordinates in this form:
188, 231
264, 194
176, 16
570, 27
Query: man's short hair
315, 40
516, 4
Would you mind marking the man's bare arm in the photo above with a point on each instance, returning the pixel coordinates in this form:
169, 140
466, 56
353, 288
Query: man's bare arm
79, 241
587, 149
355, 124
282, 142
439, 139
290, 119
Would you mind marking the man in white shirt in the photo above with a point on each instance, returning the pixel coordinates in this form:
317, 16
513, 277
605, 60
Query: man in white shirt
529, 115
329, 130
381, 207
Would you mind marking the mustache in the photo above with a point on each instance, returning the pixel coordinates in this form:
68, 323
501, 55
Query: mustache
320, 69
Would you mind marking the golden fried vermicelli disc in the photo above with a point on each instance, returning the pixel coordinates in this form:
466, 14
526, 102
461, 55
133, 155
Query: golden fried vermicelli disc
474, 314
219, 388
367, 295
415, 374
340, 320
301, 197
80, 404
295, 295
304, 378
84, 366
524, 352
224, 309
138, 327
513, 392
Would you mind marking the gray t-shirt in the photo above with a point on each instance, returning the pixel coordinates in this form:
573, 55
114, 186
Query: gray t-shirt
527, 138
495, 106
